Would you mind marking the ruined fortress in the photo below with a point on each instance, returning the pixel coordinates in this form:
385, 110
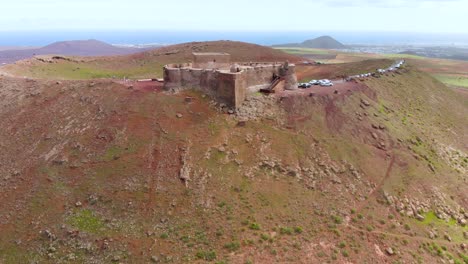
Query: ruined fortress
226, 82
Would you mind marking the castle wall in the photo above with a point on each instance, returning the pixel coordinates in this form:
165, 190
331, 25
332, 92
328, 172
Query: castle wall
228, 87
260, 76
211, 60
219, 85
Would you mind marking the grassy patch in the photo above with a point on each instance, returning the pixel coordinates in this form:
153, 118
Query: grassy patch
461, 81
431, 218
304, 51
15, 255
86, 220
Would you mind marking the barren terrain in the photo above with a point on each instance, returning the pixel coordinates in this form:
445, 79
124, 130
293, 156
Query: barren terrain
147, 64
100, 171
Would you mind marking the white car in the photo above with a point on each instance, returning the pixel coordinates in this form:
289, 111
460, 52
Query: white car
314, 82
325, 82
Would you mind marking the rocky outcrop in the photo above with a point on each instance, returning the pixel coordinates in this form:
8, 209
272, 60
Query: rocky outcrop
185, 170
455, 158
415, 208
258, 107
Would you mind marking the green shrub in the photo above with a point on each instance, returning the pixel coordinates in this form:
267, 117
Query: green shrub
233, 246
254, 226
338, 220
345, 253
206, 255
265, 237
286, 230
298, 230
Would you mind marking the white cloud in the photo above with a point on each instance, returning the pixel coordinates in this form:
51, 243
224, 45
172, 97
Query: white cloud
293, 15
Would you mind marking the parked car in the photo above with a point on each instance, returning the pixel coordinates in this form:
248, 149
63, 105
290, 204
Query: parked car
327, 84
314, 82
304, 85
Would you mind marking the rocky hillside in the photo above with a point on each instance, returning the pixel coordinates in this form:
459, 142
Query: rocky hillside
94, 172
147, 64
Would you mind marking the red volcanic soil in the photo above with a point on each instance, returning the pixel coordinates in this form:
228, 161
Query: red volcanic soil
240, 52
146, 86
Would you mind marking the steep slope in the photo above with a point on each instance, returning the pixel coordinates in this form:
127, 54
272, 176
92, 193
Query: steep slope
68, 48
110, 174
146, 64
323, 42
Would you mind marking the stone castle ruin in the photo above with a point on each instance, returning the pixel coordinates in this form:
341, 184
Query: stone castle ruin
226, 82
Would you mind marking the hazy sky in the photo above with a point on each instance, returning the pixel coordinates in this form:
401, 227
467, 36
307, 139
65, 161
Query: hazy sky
449, 16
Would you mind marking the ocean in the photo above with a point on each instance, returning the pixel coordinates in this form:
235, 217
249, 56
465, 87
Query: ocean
135, 37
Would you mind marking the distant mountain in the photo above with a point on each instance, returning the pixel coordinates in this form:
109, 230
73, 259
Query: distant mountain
142, 65
323, 42
71, 48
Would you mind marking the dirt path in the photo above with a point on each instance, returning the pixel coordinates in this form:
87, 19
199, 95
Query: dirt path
379, 185
153, 157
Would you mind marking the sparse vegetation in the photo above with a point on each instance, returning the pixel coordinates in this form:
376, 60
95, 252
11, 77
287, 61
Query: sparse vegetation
87, 221
206, 255
286, 231
270, 189
337, 219
232, 246
254, 226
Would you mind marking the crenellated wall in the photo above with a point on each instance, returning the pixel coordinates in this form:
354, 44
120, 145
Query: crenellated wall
228, 86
